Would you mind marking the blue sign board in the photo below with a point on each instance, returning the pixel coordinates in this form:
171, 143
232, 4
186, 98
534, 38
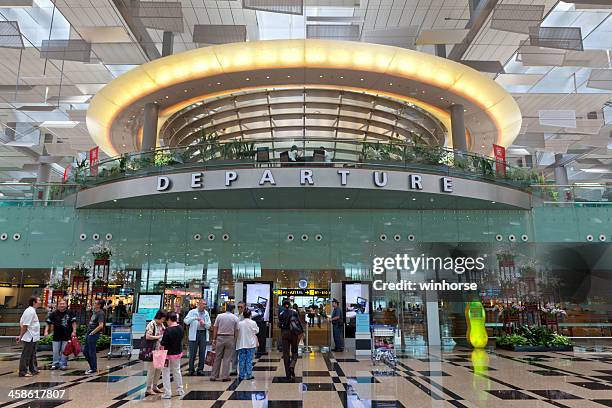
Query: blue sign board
139, 322
121, 338
362, 323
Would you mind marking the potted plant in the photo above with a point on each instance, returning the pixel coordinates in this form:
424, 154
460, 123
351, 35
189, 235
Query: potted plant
553, 312
534, 338
101, 251
528, 271
516, 309
80, 270
505, 257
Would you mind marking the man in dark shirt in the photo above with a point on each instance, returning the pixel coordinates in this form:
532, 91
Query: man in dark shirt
63, 324
289, 338
337, 326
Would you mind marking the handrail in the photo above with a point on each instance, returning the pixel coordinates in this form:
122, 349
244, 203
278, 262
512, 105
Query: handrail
25, 194
578, 194
349, 152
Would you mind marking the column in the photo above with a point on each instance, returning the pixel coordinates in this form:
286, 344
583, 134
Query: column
564, 192
149, 128
168, 43
433, 318
458, 127
560, 170
441, 50
43, 175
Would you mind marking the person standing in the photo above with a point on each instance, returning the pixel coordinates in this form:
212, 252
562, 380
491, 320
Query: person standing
337, 326
290, 337
239, 314
172, 341
246, 344
153, 333
94, 328
224, 342
29, 334
199, 323
63, 325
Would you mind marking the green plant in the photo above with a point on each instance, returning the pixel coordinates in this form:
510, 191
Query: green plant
559, 340
103, 341
162, 158
80, 269
536, 335
505, 255
511, 340
428, 154
45, 341
80, 170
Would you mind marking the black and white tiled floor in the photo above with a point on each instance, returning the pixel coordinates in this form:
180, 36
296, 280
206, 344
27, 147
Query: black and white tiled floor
422, 378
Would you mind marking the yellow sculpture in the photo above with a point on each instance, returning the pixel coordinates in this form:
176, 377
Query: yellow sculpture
475, 319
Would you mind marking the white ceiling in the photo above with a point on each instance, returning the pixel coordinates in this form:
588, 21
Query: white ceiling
65, 86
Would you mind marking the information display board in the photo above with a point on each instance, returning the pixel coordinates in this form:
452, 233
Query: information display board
149, 304
258, 297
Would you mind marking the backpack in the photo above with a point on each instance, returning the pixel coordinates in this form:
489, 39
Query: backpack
295, 326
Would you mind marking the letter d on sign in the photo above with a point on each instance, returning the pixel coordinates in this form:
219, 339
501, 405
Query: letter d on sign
163, 183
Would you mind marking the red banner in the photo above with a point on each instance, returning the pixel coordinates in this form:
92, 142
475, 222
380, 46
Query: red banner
66, 173
500, 159
47, 295
93, 160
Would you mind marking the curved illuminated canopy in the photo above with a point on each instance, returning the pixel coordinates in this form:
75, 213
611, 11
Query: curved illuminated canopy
178, 81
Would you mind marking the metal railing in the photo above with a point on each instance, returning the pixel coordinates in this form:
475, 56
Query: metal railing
574, 195
337, 153
35, 194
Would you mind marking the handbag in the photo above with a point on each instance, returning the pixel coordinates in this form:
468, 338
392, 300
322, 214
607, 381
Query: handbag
210, 358
72, 347
146, 349
159, 358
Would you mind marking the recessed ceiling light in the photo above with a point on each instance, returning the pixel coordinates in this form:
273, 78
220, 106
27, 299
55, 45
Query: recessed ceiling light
167, 96
414, 199
347, 198
341, 77
320, 76
288, 76
361, 79
261, 198
441, 98
482, 146
185, 90
390, 83
248, 79
267, 77
195, 198
218, 83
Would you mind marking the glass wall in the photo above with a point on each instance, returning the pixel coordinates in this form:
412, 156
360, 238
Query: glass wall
543, 260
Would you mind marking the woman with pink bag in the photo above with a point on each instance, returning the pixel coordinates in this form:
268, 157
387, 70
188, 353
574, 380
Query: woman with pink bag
172, 342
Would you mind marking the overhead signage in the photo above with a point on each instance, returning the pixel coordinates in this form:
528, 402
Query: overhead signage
302, 292
303, 177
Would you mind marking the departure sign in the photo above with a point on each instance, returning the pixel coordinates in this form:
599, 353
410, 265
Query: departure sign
302, 292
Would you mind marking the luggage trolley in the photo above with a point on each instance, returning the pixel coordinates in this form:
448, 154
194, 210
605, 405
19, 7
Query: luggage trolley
121, 338
383, 347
